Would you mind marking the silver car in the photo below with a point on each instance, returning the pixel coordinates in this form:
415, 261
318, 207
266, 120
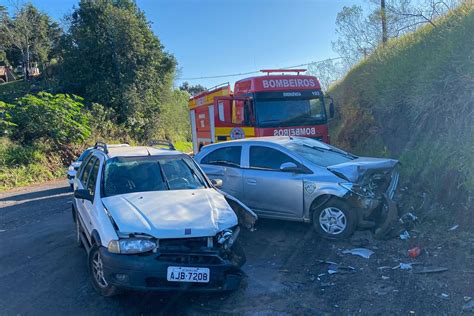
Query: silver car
302, 179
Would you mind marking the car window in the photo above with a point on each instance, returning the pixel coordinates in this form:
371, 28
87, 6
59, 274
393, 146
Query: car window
268, 158
91, 183
321, 154
86, 170
227, 156
84, 155
143, 174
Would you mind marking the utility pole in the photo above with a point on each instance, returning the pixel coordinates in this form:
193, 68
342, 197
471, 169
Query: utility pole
384, 22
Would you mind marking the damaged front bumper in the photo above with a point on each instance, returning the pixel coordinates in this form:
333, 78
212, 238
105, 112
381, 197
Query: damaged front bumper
149, 271
380, 212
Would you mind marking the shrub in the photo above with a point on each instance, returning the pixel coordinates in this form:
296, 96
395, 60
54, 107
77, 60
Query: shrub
57, 118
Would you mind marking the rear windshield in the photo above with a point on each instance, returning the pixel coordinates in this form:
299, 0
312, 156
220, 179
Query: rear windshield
142, 174
318, 153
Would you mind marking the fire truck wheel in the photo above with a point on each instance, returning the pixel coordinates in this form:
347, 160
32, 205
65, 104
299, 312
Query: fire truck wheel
335, 220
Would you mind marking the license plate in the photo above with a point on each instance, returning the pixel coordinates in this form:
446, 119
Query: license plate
188, 274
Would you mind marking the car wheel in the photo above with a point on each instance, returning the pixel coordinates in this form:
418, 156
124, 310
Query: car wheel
237, 254
335, 220
96, 272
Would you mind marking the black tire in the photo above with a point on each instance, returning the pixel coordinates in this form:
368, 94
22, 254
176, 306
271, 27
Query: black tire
237, 254
100, 284
335, 220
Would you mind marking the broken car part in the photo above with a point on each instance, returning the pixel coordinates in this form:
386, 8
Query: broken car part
361, 252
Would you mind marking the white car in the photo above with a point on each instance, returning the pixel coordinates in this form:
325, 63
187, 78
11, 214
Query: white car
151, 220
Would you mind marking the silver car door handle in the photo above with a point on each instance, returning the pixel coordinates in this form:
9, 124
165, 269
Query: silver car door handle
251, 181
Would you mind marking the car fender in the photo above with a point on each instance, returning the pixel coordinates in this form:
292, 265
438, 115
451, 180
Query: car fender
245, 215
320, 190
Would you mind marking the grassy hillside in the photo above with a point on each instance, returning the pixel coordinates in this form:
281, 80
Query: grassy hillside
414, 100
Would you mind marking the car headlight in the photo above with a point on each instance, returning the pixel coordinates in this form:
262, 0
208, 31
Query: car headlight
356, 189
224, 236
227, 237
347, 185
131, 246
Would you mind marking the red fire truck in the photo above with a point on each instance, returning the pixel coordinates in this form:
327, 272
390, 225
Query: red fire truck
269, 105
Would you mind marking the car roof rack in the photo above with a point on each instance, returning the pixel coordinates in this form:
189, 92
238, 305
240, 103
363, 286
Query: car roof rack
103, 146
165, 143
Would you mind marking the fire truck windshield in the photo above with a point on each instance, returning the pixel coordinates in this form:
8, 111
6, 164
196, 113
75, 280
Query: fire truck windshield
277, 112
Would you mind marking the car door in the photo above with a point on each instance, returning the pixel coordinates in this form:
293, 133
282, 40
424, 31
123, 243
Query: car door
269, 191
84, 206
225, 163
91, 187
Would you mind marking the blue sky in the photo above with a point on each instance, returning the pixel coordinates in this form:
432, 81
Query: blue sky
211, 37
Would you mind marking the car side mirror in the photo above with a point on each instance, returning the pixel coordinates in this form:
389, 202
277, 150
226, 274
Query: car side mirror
290, 167
217, 183
83, 195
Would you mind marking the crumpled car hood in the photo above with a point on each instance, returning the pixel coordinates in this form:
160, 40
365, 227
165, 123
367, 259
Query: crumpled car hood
171, 214
355, 170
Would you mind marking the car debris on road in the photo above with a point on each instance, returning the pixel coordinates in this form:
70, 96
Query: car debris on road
361, 252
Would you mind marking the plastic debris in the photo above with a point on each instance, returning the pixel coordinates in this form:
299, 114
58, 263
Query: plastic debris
444, 295
453, 228
362, 252
385, 277
468, 307
334, 268
405, 235
430, 270
414, 252
403, 266
408, 217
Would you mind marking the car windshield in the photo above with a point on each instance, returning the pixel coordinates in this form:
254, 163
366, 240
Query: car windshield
286, 112
141, 174
318, 153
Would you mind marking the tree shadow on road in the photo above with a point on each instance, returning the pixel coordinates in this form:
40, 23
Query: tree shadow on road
36, 195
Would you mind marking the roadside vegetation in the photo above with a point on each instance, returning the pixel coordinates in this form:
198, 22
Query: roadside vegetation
412, 100
104, 77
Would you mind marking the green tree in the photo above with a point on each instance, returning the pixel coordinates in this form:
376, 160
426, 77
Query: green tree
174, 122
192, 89
29, 36
111, 56
53, 118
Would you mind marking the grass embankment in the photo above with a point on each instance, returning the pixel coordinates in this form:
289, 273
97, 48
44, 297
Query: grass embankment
414, 100
20, 166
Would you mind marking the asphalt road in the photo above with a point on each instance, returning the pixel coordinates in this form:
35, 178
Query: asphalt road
43, 272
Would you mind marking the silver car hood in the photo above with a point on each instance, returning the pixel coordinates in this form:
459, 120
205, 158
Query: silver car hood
356, 170
171, 214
